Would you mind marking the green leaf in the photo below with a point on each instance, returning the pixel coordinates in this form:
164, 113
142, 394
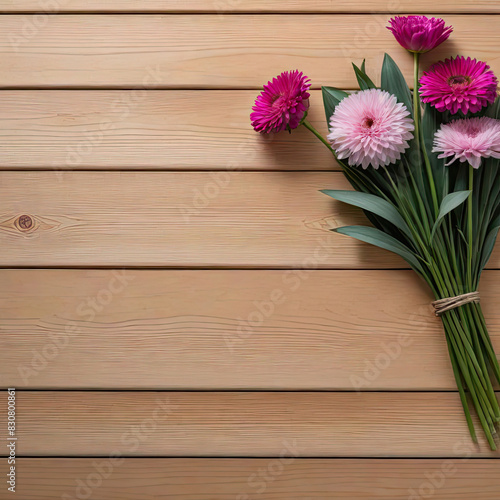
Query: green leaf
493, 111
382, 240
449, 203
373, 204
363, 79
394, 82
431, 121
331, 98
489, 243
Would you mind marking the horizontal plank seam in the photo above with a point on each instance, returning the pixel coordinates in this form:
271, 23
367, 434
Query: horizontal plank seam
252, 457
160, 170
253, 391
211, 268
238, 457
204, 268
113, 87
201, 268
207, 268
217, 13
228, 13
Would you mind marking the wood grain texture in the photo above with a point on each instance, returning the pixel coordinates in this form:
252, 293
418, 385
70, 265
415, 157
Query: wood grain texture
227, 6
286, 478
280, 330
177, 219
344, 424
211, 51
192, 130
191, 219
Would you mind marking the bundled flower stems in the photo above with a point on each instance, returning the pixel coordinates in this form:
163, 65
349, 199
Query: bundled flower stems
424, 166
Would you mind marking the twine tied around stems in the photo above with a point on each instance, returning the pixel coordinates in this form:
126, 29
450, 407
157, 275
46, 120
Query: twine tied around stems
449, 303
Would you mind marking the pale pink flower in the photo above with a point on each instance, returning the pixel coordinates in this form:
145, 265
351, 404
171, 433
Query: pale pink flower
468, 140
370, 128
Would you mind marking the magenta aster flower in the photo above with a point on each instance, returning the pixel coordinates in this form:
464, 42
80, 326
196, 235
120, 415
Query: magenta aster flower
468, 140
459, 84
370, 127
282, 104
419, 33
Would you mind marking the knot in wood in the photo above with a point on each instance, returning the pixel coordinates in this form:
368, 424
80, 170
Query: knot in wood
24, 222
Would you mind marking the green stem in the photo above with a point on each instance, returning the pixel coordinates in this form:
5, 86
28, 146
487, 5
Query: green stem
472, 384
416, 103
470, 239
478, 349
486, 340
463, 397
350, 173
432, 184
319, 136
419, 139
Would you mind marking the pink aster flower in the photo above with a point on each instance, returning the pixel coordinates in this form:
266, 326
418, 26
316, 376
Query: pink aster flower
282, 104
459, 84
419, 33
468, 140
370, 127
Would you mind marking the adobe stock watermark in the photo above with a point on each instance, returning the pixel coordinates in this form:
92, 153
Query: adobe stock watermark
218, 181
364, 35
259, 482
204, 195
391, 351
291, 280
32, 25
87, 310
130, 441
436, 479
120, 108
226, 6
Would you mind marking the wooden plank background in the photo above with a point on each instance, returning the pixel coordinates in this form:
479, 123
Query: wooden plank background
216, 52
177, 317
288, 479
184, 219
140, 329
175, 130
260, 424
229, 6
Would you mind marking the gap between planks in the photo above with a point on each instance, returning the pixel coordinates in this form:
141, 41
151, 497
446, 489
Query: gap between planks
222, 7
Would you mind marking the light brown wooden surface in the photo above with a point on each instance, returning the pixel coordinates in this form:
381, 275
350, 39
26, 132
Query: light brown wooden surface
285, 330
227, 6
119, 129
174, 219
211, 51
246, 424
287, 478
260, 359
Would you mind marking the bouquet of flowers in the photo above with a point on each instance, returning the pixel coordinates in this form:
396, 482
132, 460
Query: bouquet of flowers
424, 166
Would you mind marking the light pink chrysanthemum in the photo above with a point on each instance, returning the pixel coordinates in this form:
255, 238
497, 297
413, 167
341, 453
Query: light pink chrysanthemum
282, 104
459, 84
468, 140
370, 127
419, 33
